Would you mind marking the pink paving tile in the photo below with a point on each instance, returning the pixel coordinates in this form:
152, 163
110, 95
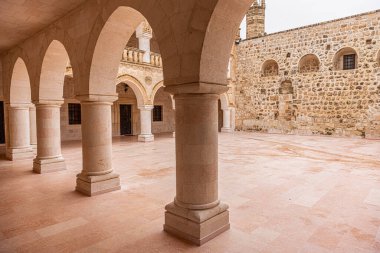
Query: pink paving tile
286, 194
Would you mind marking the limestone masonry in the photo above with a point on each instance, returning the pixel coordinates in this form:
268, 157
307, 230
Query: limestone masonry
294, 81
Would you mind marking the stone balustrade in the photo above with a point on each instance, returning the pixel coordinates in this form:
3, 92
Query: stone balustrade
135, 55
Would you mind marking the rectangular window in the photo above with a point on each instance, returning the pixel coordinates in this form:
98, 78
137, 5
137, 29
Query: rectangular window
349, 61
157, 113
74, 114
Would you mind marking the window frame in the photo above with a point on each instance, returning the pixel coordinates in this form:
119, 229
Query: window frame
349, 61
159, 118
74, 113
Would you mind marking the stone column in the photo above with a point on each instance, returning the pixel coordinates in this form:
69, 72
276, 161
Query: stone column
49, 157
19, 132
144, 35
196, 214
97, 175
146, 123
233, 119
33, 127
226, 121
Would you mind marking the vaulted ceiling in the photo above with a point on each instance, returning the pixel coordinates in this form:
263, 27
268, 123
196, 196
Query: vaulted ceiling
20, 19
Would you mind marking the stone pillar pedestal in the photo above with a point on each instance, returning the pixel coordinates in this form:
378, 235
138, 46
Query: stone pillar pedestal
146, 124
97, 175
33, 127
49, 157
19, 132
196, 214
227, 121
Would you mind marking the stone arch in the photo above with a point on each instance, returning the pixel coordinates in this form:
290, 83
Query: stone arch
156, 88
339, 56
53, 70
20, 85
120, 26
137, 87
219, 38
309, 63
270, 68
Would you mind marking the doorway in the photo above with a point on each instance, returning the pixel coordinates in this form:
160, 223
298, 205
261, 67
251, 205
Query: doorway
220, 116
125, 119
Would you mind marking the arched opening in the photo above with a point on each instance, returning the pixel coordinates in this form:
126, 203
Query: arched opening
309, 63
270, 68
125, 113
98, 96
20, 90
120, 26
346, 59
53, 72
18, 116
48, 109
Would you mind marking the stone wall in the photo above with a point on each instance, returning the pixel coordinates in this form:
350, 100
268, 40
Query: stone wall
316, 97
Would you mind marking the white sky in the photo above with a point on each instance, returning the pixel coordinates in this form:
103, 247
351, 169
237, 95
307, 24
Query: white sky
286, 14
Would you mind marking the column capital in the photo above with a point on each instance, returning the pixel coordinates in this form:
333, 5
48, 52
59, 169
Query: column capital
146, 107
196, 88
109, 98
49, 103
19, 106
144, 31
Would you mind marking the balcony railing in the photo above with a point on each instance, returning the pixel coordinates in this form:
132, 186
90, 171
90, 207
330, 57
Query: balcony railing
136, 56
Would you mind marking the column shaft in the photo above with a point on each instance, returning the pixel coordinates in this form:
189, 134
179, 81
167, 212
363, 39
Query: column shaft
146, 124
19, 132
33, 127
226, 120
49, 156
97, 175
144, 44
196, 213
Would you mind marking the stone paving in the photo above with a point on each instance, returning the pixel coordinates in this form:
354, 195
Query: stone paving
286, 194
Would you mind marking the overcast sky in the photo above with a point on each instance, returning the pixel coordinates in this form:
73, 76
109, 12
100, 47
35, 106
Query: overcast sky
286, 14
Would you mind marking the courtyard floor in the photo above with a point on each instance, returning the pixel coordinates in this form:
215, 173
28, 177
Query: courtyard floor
286, 194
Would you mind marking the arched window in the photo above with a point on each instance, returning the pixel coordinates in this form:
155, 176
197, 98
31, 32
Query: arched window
309, 63
270, 68
346, 59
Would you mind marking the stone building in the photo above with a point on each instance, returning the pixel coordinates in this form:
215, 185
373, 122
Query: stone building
319, 79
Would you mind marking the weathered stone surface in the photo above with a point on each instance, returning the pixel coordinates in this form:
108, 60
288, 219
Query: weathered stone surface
308, 93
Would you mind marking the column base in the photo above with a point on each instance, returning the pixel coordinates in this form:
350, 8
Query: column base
146, 138
95, 185
15, 154
196, 226
227, 130
42, 166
